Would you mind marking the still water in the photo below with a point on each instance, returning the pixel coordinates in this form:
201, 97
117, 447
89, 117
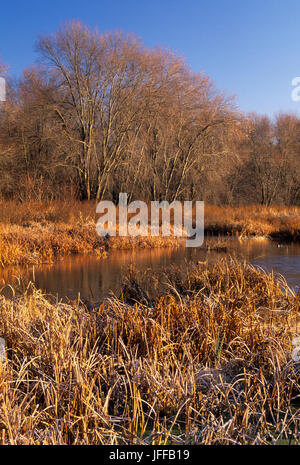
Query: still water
94, 278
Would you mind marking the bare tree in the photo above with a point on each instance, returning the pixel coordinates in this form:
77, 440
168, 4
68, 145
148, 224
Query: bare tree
102, 114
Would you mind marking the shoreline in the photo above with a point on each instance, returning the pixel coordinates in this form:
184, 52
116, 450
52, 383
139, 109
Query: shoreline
41, 232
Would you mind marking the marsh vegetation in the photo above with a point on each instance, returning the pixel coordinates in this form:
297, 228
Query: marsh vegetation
194, 354
202, 356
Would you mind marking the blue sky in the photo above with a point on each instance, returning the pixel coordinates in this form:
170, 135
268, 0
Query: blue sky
249, 48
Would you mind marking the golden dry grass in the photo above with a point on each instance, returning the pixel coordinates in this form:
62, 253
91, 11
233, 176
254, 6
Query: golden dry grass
198, 356
254, 220
32, 232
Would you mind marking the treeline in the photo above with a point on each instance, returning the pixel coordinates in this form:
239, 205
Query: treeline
102, 114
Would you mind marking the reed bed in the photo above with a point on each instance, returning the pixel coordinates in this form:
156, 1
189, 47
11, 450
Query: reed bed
282, 223
200, 355
277, 221
33, 233
44, 242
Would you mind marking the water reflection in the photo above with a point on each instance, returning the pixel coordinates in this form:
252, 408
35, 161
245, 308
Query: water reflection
93, 278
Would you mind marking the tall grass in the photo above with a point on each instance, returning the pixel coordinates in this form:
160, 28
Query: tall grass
254, 220
33, 232
201, 355
249, 219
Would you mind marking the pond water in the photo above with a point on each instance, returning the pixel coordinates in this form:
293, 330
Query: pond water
92, 278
